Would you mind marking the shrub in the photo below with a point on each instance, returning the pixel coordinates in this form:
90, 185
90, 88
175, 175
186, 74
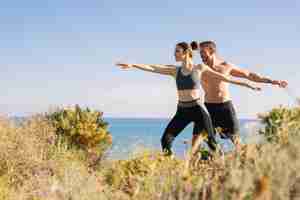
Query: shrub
82, 128
280, 123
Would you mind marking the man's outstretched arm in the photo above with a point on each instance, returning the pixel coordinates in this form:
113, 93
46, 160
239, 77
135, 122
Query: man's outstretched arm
242, 73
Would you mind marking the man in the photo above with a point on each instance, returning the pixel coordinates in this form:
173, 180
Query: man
217, 96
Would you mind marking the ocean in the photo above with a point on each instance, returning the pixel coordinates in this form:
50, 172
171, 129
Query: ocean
131, 136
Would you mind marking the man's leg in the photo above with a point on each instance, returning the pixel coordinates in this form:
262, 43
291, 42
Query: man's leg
230, 125
224, 116
236, 140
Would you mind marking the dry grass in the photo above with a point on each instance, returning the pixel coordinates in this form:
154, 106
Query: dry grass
34, 167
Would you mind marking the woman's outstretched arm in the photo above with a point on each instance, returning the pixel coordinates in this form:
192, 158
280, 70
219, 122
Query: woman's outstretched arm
160, 69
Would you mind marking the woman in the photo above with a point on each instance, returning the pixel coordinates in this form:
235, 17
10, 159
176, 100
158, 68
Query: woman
190, 106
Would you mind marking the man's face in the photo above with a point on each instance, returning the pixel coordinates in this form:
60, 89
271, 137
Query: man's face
205, 54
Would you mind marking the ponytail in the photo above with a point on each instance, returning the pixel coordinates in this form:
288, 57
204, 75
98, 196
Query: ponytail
194, 45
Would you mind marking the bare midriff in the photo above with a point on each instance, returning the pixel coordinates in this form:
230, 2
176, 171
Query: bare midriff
188, 95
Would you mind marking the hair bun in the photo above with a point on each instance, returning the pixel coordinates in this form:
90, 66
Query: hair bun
194, 45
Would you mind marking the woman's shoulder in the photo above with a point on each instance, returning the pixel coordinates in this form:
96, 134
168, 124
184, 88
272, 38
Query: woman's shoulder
177, 67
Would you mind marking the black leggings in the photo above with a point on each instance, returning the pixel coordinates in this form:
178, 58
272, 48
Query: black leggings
182, 118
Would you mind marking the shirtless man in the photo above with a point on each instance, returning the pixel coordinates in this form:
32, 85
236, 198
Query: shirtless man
217, 96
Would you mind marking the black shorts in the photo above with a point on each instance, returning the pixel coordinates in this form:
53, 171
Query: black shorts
223, 116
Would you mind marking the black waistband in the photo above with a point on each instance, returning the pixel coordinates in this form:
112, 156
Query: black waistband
194, 100
188, 104
219, 104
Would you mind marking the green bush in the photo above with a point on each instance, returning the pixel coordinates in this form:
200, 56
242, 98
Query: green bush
81, 128
280, 123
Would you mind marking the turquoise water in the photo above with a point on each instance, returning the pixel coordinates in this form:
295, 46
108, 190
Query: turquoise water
133, 135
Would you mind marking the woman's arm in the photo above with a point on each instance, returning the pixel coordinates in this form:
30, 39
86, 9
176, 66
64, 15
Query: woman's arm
160, 69
207, 71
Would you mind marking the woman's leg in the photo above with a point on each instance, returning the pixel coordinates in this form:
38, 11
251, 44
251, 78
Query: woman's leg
203, 122
175, 126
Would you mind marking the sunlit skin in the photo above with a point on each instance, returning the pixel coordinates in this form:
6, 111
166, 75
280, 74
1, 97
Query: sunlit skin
185, 95
186, 68
216, 90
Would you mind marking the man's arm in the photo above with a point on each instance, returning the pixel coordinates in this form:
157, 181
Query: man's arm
242, 73
206, 71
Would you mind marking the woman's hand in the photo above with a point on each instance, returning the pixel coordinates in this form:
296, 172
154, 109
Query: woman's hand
160, 69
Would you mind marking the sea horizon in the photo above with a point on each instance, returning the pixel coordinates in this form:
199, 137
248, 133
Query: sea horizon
132, 134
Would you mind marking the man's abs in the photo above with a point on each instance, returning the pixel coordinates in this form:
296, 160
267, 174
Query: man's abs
216, 91
218, 96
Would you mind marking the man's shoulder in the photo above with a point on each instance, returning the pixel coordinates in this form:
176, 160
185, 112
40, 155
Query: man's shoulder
224, 65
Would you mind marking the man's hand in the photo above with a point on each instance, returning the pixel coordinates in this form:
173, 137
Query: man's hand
124, 65
282, 84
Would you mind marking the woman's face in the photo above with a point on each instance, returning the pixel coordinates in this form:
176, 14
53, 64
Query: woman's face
179, 54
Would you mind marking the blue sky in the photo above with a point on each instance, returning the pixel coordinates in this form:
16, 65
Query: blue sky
62, 52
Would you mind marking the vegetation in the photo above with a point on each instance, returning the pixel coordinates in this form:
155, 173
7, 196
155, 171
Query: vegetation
81, 128
52, 157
